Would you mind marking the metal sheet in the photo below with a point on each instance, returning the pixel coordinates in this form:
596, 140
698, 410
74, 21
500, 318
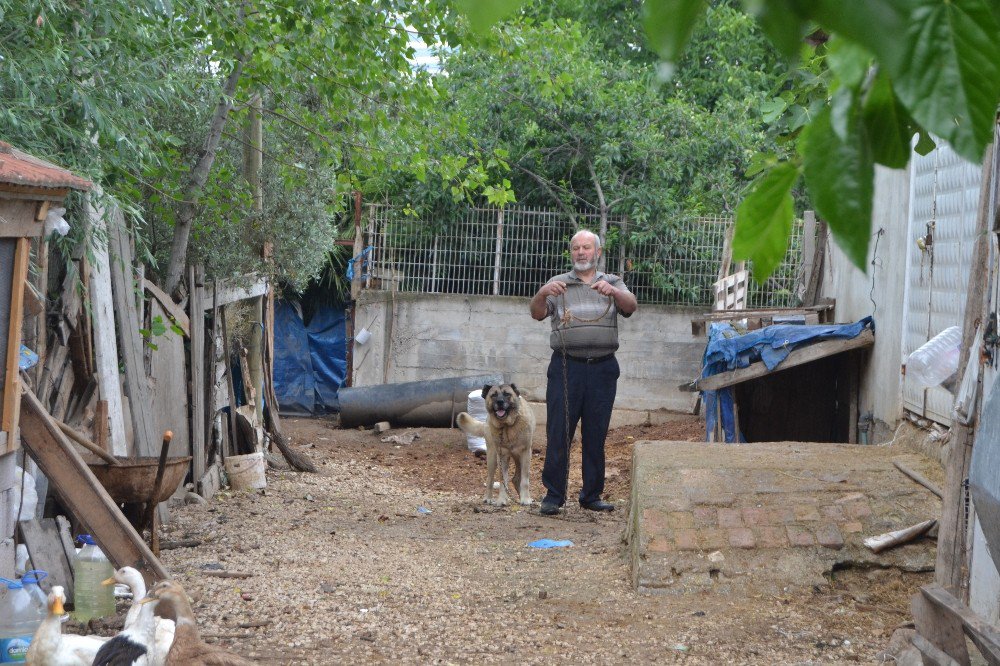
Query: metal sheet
944, 189
984, 482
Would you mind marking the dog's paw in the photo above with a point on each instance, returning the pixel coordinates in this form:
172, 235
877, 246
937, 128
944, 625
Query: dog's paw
525, 501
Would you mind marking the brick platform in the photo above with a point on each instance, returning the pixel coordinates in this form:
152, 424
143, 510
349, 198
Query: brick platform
774, 514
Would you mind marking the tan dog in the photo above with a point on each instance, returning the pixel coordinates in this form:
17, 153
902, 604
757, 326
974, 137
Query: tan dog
509, 427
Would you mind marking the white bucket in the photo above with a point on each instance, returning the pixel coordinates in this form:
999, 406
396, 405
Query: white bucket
246, 472
363, 336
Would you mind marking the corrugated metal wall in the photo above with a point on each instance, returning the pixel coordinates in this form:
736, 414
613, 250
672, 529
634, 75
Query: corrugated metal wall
944, 196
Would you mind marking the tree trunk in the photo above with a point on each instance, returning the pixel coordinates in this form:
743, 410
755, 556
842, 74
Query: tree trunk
196, 181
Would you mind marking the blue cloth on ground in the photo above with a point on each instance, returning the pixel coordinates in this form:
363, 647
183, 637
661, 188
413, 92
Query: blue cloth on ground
549, 543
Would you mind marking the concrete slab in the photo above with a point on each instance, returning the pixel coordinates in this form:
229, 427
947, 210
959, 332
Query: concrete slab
769, 515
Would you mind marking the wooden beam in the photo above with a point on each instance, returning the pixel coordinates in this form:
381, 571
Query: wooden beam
175, 311
197, 364
806, 354
229, 290
82, 493
105, 338
12, 388
984, 635
950, 566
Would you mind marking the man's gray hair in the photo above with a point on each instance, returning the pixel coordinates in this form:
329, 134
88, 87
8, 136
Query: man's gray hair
597, 239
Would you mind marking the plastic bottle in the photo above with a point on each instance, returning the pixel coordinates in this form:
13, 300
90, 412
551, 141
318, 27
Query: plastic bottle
90, 568
31, 582
19, 620
937, 359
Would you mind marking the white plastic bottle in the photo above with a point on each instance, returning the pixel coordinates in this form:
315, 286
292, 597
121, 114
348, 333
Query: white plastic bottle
19, 619
31, 581
90, 568
937, 359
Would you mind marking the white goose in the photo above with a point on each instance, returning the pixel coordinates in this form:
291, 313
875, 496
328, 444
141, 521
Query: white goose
145, 638
51, 647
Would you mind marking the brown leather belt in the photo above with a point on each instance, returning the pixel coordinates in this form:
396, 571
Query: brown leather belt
591, 360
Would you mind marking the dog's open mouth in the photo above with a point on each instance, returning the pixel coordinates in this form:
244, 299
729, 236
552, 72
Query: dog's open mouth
500, 413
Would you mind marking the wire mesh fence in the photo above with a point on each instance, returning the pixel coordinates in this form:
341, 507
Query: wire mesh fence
510, 252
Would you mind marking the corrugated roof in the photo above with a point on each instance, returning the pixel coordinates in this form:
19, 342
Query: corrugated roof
19, 168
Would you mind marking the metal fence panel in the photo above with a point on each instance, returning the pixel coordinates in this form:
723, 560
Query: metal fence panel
510, 252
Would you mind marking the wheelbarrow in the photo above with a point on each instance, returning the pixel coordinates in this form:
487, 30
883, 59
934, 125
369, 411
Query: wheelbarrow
143, 480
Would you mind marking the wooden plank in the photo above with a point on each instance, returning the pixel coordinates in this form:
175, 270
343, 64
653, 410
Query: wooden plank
82, 493
12, 387
814, 314
942, 630
127, 316
175, 311
931, 655
807, 354
232, 444
46, 552
985, 636
105, 339
951, 559
916, 476
210, 482
808, 253
169, 389
230, 290
100, 427
815, 275
197, 364
18, 220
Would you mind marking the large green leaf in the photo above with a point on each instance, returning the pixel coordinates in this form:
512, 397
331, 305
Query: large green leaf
875, 24
764, 220
482, 14
669, 24
848, 60
949, 78
887, 124
839, 176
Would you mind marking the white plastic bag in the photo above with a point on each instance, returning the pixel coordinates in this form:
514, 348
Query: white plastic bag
476, 406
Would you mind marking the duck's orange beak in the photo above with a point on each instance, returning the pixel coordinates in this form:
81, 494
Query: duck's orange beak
57, 607
109, 581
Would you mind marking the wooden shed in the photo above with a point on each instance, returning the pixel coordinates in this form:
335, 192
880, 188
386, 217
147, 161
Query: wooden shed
28, 188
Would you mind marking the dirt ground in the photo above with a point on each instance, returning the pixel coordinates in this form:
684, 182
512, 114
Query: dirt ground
389, 555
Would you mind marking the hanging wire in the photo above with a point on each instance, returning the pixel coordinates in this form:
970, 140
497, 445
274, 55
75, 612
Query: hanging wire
876, 263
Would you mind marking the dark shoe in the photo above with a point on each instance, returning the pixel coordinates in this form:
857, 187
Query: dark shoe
548, 508
598, 505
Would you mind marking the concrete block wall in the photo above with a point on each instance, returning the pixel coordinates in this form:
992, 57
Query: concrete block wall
430, 336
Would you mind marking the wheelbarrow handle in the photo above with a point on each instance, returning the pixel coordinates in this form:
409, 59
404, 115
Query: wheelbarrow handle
147, 518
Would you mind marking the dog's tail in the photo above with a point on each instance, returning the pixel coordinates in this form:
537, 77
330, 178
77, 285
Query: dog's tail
471, 426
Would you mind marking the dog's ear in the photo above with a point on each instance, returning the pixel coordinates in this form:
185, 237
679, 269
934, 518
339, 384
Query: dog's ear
514, 386
486, 390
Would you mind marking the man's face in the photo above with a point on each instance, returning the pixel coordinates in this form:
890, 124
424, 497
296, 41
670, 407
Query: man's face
584, 253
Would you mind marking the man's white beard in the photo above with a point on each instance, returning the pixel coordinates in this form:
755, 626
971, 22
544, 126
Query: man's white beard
584, 266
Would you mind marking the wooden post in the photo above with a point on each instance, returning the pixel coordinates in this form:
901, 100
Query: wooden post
196, 317
12, 389
231, 445
100, 427
949, 570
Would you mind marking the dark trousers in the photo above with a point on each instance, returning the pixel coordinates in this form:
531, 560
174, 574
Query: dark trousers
589, 390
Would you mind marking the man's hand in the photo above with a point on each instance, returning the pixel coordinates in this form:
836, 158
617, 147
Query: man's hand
604, 288
556, 288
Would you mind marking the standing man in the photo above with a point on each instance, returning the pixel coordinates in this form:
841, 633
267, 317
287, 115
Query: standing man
584, 305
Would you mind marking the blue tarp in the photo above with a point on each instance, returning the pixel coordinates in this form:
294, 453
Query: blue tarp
310, 362
727, 350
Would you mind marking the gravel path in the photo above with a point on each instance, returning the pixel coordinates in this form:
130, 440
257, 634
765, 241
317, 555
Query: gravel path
389, 555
